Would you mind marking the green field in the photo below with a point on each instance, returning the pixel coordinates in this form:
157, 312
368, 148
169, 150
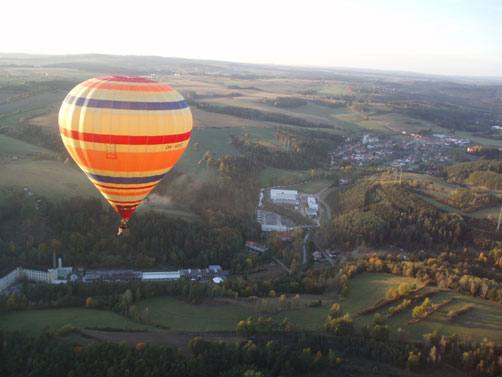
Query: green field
497, 143
491, 213
29, 105
310, 112
15, 147
213, 140
398, 123
34, 322
335, 89
51, 179
282, 177
313, 187
221, 316
183, 316
484, 321
366, 289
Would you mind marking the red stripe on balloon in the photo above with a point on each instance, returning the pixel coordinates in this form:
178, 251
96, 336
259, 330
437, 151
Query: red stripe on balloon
126, 139
132, 202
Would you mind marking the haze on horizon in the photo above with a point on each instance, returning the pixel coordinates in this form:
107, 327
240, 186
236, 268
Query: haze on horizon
452, 37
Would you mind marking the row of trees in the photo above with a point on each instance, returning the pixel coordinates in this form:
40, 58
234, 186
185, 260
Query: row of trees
47, 356
119, 297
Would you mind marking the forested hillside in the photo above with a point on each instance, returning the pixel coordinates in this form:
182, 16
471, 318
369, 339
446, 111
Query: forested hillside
484, 173
378, 214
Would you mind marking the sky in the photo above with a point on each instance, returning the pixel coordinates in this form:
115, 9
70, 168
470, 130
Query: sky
452, 37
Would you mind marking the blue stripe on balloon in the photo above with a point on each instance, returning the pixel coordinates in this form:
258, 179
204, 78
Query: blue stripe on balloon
125, 105
125, 180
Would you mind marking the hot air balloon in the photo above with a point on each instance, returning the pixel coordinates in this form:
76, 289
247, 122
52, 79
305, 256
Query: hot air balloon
125, 133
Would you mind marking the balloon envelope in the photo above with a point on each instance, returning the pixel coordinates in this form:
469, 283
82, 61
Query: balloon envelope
125, 133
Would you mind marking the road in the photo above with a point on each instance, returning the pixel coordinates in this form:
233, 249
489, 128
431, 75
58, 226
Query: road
276, 260
304, 248
320, 197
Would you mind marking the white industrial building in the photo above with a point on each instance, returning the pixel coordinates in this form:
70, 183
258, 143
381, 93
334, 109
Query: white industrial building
39, 276
57, 275
312, 206
10, 279
61, 275
284, 196
161, 276
274, 228
272, 222
312, 203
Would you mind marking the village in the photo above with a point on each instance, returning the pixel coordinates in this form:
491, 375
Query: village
408, 151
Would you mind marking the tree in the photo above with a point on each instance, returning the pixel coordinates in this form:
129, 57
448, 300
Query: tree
244, 328
392, 294
335, 310
15, 302
413, 361
296, 302
295, 266
140, 346
198, 346
252, 373
434, 357
404, 289
421, 311
138, 295
283, 302
340, 326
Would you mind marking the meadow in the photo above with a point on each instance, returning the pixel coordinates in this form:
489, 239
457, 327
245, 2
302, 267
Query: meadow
35, 322
219, 315
484, 321
13, 147
282, 177
51, 179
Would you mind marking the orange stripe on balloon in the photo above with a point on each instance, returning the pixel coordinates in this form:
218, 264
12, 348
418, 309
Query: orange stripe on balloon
126, 87
126, 192
126, 162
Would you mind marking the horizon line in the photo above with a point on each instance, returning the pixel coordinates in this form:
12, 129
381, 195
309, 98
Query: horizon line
283, 65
